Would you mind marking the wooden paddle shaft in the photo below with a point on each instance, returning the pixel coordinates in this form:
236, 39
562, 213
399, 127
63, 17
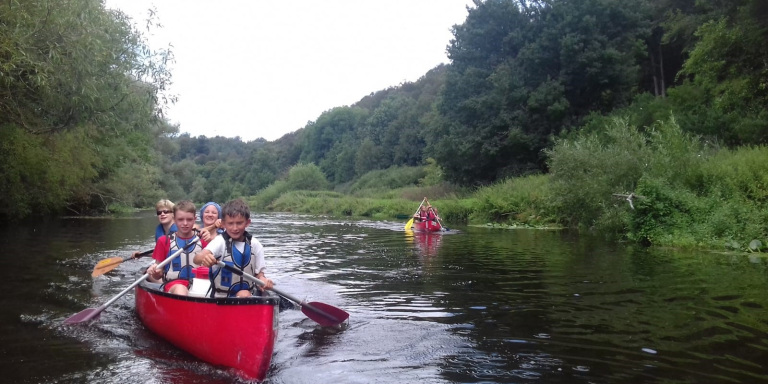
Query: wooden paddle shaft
92, 313
420, 204
146, 275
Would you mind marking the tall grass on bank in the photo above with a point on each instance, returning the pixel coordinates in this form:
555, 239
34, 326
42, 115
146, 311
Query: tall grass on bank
692, 194
381, 194
307, 177
384, 179
337, 204
524, 200
515, 201
724, 202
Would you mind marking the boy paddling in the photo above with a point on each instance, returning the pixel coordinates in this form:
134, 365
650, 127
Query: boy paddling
236, 248
178, 273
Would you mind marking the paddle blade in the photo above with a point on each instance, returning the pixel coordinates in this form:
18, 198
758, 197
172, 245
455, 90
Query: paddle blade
409, 224
106, 265
83, 316
324, 314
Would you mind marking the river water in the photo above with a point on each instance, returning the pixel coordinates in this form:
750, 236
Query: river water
471, 305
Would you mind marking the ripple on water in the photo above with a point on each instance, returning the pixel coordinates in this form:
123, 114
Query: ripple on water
481, 306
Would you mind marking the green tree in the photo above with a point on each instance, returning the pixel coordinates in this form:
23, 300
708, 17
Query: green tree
729, 64
261, 170
79, 85
306, 177
523, 72
369, 157
329, 129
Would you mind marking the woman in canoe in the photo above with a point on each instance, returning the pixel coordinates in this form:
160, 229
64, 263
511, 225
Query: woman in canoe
164, 210
166, 226
210, 216
421, 215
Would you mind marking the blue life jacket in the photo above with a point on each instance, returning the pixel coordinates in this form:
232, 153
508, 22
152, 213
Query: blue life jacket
181, 267
223, 280
159, 232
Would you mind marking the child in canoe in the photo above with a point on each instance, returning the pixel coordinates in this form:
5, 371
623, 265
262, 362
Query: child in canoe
178, 273
236, 248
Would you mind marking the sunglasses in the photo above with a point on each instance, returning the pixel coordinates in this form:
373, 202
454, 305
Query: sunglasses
163, 212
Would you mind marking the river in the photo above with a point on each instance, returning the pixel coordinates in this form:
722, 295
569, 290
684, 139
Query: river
471, 305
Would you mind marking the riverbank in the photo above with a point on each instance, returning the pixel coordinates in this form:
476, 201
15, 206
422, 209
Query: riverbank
497, 207
656, 186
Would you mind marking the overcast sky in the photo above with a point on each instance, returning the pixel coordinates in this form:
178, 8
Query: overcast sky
257, 68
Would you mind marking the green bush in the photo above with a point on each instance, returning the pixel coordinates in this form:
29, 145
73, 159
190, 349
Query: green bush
306, 177
45, 174
665, 214
526, 200
588, 170
387, 179
737, 173
715, 201
266, 196
455, 211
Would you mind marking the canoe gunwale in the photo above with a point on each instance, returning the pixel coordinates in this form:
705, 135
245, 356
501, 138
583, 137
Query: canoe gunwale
427, 226
270, 299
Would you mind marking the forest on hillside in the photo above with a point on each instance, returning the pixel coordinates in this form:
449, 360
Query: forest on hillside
83, 131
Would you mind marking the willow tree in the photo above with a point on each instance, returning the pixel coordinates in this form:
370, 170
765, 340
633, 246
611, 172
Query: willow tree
81, 100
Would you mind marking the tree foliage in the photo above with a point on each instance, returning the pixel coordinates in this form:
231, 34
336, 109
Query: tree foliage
82, 100
523, 72
66, 63
80, 89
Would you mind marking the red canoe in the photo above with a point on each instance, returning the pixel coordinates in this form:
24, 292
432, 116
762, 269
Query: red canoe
426, 226
238, 333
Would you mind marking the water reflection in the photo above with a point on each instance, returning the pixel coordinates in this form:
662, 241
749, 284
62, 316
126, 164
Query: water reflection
477, 306
427, 243
597, 313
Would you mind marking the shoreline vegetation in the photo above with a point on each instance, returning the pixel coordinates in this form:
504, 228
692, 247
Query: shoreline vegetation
688, 192
641, 122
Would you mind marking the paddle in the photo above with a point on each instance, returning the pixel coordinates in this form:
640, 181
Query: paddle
324, 314
442, 227
111, 263
93, 313
409, 224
